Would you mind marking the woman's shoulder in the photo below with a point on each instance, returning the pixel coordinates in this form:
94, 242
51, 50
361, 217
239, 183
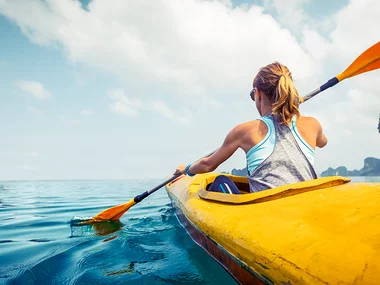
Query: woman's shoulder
250, 124
308, 121
249, 133
255, 126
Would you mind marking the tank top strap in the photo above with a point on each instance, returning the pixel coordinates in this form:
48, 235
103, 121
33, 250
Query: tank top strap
268, 121
258, 153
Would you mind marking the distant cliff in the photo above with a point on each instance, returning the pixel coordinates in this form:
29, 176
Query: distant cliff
239, 172
371, 168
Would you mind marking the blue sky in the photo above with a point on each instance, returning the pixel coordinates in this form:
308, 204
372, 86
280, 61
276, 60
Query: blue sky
126, 90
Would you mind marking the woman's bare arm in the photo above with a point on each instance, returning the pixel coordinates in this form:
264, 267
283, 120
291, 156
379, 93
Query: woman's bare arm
321, 137
230, 145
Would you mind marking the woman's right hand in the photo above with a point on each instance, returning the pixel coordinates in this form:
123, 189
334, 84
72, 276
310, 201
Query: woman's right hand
180, 169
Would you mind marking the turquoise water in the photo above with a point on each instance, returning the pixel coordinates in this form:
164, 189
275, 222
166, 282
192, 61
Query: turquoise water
148, 246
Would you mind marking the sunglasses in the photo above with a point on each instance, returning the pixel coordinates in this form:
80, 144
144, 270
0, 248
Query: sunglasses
252, 94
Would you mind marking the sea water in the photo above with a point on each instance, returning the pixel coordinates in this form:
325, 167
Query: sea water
38, 245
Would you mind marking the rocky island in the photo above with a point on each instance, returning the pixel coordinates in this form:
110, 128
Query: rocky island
371, 168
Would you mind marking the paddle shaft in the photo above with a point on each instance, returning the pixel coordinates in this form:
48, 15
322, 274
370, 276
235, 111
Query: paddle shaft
367, 61
333, 81
142, 196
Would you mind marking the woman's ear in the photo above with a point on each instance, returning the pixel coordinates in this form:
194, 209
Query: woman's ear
258, 95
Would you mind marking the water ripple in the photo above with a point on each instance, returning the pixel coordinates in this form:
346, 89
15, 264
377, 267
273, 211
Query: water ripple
39, 245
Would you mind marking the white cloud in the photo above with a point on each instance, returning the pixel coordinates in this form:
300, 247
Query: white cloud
86, 112
122, 108
182, 117
357, 27
211, 103
35, 111
128, 106
34, 154
316, 45
68, 121
34, 88
122, 104
188, 48
201, 52
290, 13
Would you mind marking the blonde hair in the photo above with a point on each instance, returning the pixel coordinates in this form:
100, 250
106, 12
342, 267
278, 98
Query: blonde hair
275, 80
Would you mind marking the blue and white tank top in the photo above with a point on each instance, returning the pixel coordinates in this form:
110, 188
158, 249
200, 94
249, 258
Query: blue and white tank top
287, 164
257, 154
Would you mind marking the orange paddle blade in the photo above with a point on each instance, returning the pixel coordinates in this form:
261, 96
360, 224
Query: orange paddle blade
367, 61
113, 213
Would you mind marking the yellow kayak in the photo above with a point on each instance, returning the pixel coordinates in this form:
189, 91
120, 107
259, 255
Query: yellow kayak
323, 231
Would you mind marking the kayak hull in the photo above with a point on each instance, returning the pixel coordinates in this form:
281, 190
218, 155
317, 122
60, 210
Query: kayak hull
297, 234
241, 273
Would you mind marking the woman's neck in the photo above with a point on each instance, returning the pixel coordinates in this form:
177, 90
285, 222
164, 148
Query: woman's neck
265, 107
266, 110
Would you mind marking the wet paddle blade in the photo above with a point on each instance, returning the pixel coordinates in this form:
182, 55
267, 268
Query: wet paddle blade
113, 213
367, 61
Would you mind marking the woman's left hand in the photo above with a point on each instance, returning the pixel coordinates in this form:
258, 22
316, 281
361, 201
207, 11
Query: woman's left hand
180, 169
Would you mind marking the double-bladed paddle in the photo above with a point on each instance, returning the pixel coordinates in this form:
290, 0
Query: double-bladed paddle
367, 61
116, 212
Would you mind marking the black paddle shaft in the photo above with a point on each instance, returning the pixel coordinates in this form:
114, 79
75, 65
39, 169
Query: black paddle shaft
142, 196
333, 81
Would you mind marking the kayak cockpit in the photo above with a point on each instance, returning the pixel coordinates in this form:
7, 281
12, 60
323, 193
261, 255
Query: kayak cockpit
268, 195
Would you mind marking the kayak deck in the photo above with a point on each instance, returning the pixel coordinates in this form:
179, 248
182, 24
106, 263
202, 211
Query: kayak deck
322, 231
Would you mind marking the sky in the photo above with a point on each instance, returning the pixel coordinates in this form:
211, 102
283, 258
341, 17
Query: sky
129, 89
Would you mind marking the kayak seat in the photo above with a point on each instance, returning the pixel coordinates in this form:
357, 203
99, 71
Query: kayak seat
223, 184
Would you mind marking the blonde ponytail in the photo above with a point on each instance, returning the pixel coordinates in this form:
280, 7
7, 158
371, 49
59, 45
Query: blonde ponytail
275, 80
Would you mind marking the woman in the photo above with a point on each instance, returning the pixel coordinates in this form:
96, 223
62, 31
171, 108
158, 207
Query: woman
279, 146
